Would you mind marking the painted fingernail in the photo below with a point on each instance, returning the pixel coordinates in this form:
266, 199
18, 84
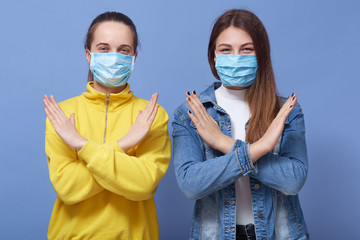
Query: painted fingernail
188, 99
190, 112
194, 92
290, 106
293, 98
187, 93
292, 94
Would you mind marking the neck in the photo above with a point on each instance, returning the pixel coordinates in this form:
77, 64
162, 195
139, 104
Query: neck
100, 88
236, 88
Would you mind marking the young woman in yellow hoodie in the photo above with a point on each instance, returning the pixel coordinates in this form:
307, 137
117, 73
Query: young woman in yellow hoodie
107, 150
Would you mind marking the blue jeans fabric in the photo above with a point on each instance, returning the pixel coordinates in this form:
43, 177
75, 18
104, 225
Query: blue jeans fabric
208, 176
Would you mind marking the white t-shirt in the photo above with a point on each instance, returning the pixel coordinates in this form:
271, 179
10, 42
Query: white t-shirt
233, 102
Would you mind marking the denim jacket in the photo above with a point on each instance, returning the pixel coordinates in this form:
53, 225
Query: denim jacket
208, 176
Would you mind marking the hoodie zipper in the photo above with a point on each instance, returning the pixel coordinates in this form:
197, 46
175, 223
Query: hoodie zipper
107, 102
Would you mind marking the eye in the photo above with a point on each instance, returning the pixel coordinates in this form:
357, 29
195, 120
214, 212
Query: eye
103, 49
125, 51
225, 51
247, 50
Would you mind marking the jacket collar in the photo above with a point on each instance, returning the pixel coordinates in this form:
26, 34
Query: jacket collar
99, 100
208, 96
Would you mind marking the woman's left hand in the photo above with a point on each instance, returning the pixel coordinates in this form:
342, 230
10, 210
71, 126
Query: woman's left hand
63, 126
206, 126
141, 126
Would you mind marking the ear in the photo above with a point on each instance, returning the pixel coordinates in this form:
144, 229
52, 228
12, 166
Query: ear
88, 56
136, 54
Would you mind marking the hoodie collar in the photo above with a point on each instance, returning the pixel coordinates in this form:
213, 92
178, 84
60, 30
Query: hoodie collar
100, 100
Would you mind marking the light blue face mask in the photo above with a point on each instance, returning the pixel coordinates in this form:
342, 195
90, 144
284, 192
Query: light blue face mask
111, 69
236, 70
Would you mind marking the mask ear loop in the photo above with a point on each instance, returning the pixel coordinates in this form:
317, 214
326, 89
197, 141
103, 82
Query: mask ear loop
216, 56
88, 50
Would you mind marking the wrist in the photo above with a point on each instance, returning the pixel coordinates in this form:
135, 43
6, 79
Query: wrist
81, 143
226, 144
123, 144
258, 149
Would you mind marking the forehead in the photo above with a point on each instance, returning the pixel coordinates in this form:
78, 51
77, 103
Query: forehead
113, 33
233, 35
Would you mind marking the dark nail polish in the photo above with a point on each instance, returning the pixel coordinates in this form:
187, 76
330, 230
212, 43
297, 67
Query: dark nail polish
188, 93
194, 92
290, 106
293, 98
188, 99
292, 94
190, 112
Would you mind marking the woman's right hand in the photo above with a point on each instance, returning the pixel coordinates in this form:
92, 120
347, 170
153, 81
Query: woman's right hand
64, 126
268, 141
206, 126
141, 126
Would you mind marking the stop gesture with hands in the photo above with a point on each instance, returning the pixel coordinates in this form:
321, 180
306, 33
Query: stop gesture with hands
66, 129
210, 132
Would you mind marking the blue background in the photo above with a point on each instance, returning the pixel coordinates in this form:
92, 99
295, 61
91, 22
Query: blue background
315, 52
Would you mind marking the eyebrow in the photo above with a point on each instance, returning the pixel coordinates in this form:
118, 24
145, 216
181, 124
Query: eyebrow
101, 43
122, 45
228, 45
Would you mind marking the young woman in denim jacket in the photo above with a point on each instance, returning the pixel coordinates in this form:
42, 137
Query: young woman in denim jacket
245, 186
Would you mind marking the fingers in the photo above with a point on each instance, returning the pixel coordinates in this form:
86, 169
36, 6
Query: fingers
193, 119
57, 108
72, 119
153, 115
290, 103
288, 106
150, 107
198, 114
54, 112
196, 106
52, 106
49, 110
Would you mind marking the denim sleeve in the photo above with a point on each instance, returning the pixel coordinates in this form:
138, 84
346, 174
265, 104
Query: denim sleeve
287, 171
197, 176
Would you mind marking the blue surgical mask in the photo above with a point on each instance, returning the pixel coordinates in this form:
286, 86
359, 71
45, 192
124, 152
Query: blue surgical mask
111, 69
236, 70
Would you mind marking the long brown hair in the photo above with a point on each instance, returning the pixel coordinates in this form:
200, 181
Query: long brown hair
109, 17
261, 97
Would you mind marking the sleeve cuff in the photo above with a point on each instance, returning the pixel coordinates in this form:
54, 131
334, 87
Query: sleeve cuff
117, 148
242, 152
91, 148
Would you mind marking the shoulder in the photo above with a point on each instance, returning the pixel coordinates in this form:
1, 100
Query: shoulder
70, 104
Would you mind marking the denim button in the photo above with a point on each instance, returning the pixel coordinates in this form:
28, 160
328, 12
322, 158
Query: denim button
257, 186
260, 215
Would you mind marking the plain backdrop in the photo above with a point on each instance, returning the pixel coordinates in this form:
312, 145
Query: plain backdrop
315, 53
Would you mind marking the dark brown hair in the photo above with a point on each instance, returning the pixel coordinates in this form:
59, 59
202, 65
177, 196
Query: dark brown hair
109, 17
261, 97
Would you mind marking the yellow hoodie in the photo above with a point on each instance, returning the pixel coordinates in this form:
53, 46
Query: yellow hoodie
103, 192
